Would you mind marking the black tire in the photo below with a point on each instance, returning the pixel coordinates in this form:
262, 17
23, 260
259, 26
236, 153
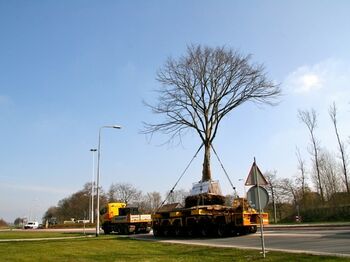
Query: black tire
204, 231
125, 230
221, 231
191, 231
106, 230
234, 232
178, 232
157, 232
253, 229
167, 232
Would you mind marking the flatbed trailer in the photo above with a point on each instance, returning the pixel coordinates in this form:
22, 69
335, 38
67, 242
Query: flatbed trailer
207, 220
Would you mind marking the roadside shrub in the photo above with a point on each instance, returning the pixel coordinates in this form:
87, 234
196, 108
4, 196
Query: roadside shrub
73, 225
3, 223
327, 214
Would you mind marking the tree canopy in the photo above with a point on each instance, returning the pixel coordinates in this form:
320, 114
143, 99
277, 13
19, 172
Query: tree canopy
202, 87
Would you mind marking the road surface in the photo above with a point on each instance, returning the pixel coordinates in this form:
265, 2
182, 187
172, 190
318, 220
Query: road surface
319, 241
328, 240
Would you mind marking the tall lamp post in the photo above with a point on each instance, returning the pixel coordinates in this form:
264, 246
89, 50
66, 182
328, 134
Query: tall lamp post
93, 150
98, 177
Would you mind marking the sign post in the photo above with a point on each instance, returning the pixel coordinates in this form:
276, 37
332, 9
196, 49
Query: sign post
256, 178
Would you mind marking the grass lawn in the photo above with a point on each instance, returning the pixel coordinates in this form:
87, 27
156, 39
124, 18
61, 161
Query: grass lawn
34, 234
112, 248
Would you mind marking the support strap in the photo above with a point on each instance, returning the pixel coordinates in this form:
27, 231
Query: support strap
234, 188
172, 190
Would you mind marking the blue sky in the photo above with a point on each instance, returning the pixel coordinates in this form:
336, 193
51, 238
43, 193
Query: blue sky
70, 67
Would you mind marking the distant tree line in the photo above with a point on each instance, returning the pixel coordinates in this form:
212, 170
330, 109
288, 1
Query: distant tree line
320, 191
77, 205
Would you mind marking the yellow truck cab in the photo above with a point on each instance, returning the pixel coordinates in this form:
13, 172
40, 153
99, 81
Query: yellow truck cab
110, 210
117, 217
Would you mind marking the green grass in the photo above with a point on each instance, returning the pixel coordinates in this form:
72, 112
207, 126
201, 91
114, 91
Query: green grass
112, 248
35, 234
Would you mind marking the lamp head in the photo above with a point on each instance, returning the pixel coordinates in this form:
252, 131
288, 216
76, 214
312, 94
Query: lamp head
113, 126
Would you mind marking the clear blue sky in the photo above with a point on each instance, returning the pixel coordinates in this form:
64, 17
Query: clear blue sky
70, 67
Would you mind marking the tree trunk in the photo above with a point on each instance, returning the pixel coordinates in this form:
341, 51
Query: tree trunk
318, 170
206, 173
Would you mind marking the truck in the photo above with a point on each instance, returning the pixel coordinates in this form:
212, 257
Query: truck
205, 215
119, 218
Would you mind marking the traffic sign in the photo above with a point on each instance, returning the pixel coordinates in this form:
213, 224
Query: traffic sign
257, 195
253, 195
255, 177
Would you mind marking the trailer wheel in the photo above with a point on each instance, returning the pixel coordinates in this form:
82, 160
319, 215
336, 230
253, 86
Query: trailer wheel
220, 230
253, 229
205, 226
106, 229
178, 231
157, 232
234, 232
191, 231
204, 231
124, 230
167, 231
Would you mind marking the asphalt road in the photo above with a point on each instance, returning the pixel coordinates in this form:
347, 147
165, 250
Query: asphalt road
319, 241
322, 240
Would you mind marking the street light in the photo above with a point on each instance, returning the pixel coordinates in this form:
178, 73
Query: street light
98, 177
93, 150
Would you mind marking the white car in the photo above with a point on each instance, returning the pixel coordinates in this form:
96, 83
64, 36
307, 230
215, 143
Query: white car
31, 225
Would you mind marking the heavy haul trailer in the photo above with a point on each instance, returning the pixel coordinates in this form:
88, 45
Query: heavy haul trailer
117, 217
207, 220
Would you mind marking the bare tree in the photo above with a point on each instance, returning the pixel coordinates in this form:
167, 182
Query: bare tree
50, 215
153, 201
329, 174
272, 189
229, 199
333, 114
302, 169
290, 188
19, 221
177, 196
126, 193
310, 120
201, 88
75, 206
3, 223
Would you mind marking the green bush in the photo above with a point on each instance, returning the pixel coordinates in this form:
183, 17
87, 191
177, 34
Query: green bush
3, 223
73, 225
326, 214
